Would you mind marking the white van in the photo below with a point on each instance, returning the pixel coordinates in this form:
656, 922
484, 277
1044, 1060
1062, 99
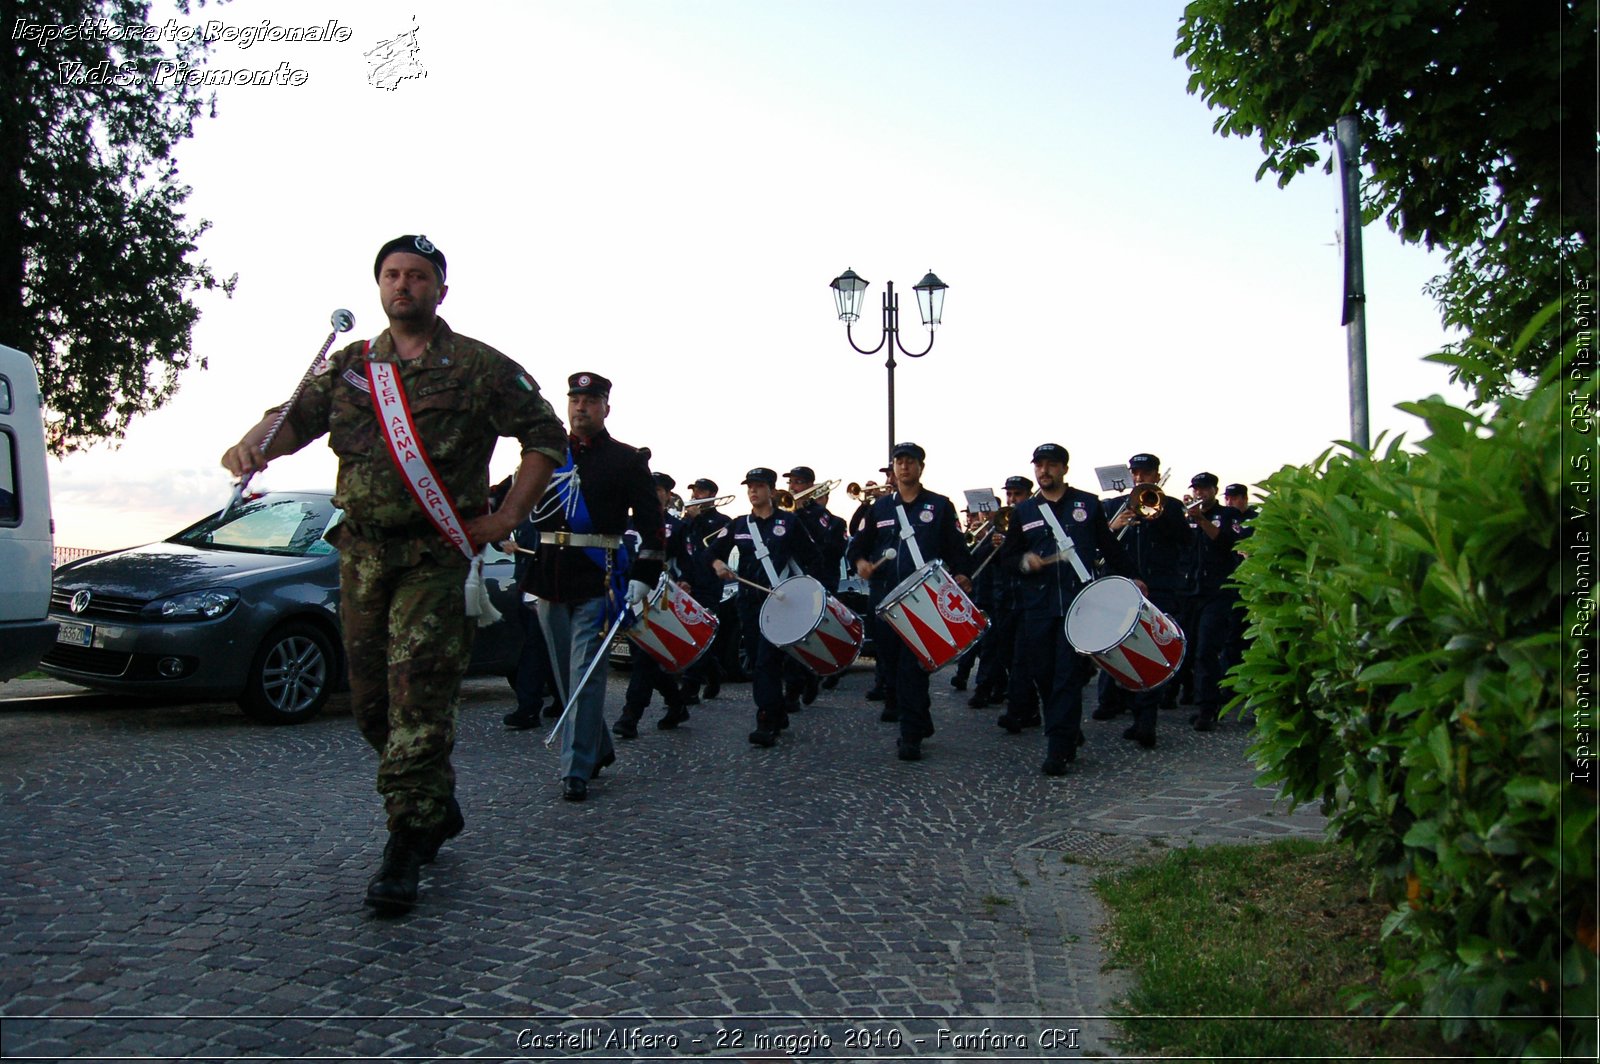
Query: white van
26, 528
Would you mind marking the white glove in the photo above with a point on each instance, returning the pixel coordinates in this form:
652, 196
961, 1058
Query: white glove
638, 594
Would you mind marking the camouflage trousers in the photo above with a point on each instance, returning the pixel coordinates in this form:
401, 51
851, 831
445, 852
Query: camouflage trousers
407, 638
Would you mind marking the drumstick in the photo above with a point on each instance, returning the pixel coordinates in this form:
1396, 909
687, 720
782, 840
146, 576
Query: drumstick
758, 587
888, 555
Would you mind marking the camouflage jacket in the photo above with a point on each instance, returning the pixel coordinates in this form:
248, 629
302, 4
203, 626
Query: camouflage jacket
463, 396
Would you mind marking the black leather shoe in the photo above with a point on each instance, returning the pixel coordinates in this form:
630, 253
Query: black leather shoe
1145, 737
394, 889
809, 692
1106, 712
979, 699
1205, 721
691, 700
959, 682
553, 710
522, 719
605, 762
574, 788
713, 688
1054, 766
625, 728
1014, 725
762, 737
676, 715
874, 694
889, 715
909, 751
830, 682
451, 826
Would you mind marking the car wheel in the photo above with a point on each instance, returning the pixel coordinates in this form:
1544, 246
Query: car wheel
291, 676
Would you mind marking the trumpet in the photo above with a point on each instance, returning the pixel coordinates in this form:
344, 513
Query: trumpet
1000, 522
866, 494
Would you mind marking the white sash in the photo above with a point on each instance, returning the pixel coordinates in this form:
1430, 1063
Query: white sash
763, 555
1064, 543
908, 535
394, 415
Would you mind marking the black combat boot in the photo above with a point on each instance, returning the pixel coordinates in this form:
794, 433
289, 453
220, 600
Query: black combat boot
451, 826
394, 889
677, 713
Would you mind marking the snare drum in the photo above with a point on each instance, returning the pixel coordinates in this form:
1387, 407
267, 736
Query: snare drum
1141, 647
811, 626
933, 616
674, 628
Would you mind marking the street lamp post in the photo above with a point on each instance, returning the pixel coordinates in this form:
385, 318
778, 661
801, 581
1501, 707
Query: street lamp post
848, 290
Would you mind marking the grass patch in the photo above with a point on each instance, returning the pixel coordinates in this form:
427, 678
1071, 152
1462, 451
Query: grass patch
1275, 933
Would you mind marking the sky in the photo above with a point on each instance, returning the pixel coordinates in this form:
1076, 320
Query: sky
661, 192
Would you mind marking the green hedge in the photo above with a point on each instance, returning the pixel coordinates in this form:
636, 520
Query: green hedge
1405, 671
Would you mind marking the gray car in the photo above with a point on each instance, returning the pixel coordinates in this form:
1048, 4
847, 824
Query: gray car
244, 608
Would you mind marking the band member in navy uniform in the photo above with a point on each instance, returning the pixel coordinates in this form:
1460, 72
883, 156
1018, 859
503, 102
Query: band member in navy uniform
1155, 546
532, 679
1000, 641
772, 547
922, 527
701, 523
876, 630
582, 576
1215, 529
828, 534
1238, 497
1052, 543
646, 674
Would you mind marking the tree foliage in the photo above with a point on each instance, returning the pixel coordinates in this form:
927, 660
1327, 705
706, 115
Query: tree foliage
1478, 125
98, 264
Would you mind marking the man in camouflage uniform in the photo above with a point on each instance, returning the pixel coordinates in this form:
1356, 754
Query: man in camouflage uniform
402, 606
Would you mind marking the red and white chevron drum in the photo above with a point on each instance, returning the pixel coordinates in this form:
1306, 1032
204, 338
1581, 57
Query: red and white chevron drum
932, 616
811, 626
674, 628
1141, 647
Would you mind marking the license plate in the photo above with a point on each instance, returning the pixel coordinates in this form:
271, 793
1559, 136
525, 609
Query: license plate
74, 634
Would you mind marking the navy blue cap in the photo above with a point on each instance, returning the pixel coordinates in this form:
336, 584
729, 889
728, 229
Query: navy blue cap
1018, 484
1204, 480
705, 484
664, 481
761, 475
1144, 461
802, 472
1236, 489
1050, 452
909, 450
411, 245
588, 384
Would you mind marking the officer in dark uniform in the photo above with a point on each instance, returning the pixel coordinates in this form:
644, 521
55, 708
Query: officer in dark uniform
1052, 542
645, 673
1000, 641
978, 550
875, 629
827, 533
922, 527
1155, 546
1214, 529
772, 547
700, 524
582, 577
1238, 497
532, 679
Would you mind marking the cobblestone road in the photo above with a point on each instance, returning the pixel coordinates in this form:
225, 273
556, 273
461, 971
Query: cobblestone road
180, 882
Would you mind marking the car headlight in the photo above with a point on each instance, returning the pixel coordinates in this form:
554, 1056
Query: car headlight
196, 605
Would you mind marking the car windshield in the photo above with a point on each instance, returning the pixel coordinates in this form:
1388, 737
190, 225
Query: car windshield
274, 523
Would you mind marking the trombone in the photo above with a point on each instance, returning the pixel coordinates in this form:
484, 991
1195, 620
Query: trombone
720, 500
1147, 501
872, 491
1000, 522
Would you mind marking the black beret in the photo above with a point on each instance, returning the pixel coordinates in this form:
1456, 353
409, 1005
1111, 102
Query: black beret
411, 245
